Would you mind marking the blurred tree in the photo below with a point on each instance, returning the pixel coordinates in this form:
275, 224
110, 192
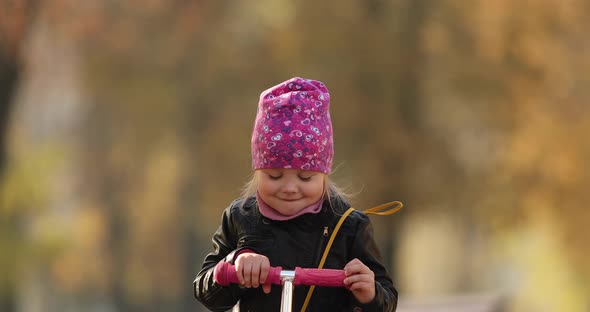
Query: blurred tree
463, 110
498, 93
15, 20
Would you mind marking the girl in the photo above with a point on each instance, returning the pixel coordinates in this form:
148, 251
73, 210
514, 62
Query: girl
287, 211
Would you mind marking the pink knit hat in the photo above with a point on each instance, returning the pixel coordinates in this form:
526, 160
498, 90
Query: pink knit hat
293, 129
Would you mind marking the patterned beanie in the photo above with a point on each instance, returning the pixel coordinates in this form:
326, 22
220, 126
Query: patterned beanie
293, 129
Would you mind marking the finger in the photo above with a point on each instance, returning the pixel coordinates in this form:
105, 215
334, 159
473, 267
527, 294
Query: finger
264, 270
359, 278
352, 263
356, 269
239, 272
266, 288
255, 275
247, 271
363, 286
352, 269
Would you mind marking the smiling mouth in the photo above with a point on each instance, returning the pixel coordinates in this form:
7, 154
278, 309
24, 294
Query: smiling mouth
291, 200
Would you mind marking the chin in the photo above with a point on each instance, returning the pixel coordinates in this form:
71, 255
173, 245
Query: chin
289, 208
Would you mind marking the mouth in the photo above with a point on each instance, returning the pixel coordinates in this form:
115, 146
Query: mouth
290, 200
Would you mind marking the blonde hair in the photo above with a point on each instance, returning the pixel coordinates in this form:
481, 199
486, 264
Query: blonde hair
331, 191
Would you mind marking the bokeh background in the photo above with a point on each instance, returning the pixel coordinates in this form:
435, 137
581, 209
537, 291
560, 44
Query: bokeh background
125, 128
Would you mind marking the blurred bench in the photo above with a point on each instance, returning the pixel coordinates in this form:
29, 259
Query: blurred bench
457, 303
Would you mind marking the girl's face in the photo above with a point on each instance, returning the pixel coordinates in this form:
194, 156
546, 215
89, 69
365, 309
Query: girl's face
289, 191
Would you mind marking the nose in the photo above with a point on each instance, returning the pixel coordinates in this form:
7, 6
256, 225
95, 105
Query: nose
290, 186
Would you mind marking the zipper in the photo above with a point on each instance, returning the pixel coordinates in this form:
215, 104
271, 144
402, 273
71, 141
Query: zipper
318, 256
249, 240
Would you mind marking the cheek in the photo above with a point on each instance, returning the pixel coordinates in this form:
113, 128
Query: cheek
267, 188
315, 190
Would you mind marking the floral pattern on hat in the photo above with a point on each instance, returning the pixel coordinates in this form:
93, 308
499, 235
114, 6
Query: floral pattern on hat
293, 128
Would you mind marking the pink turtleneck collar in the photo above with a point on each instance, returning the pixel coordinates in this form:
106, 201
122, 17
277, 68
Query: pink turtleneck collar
273, 214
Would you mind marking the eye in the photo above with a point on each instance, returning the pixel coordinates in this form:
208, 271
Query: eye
275, 177
305, 178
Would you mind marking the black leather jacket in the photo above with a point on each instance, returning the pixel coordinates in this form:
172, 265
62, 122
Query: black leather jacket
296, 242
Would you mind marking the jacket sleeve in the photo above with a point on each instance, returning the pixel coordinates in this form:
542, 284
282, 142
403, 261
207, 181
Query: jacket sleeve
212, 295
365, 249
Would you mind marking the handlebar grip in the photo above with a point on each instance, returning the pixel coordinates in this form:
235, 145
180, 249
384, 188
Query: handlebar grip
319, 277
225, 274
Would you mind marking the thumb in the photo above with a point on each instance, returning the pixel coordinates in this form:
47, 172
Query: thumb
266, 288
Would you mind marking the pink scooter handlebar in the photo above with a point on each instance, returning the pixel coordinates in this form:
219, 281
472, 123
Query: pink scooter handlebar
225, 274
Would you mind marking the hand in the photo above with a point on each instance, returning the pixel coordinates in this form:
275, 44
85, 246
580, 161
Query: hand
252, 270
360, 281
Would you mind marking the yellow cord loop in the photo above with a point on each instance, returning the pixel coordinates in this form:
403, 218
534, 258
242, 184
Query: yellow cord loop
325, 255
380, 210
